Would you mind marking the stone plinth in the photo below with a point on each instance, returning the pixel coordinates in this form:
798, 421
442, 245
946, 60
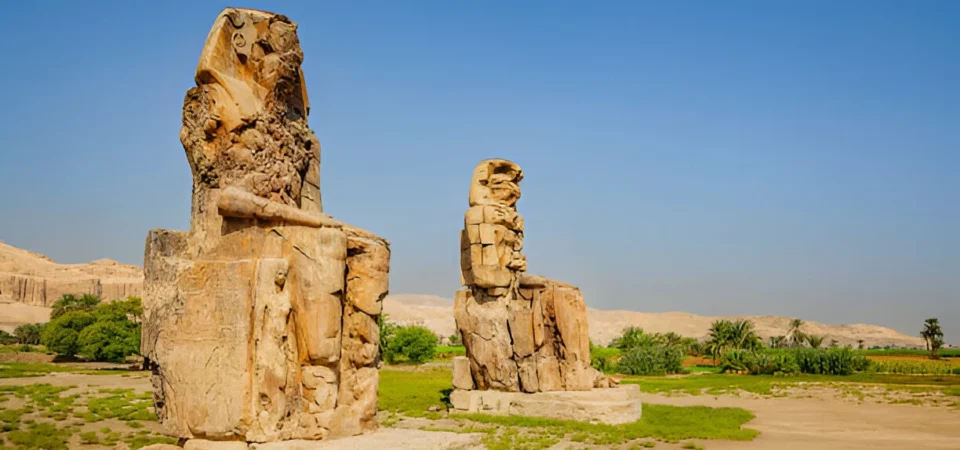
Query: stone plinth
611, 406
382, 439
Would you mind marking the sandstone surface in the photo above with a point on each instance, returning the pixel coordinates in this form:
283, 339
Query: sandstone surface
521, 332
36, 280
260, 322
612, 406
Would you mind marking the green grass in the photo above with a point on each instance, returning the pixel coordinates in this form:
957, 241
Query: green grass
411, 393
123, 404
669, 423
42, 423
449, 351
764, 384
40, 436
944, 353
20, 348
703, 369
23, 370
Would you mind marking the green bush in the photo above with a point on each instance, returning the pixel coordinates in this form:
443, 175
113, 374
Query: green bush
7, 338
70, 302
651, 360
60, 334
604, 359
413, 343
759, 362
107, 332
28, 333
830, 361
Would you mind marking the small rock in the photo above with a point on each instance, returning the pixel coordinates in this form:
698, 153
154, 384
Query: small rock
433, 408
162, 447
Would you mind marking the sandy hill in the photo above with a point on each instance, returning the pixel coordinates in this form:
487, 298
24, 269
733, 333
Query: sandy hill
31, 282
436, 313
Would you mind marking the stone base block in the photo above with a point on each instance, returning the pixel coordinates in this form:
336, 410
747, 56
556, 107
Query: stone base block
611, 406
382, 439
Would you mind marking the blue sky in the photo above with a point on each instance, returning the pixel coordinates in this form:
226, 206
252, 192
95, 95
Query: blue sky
796, 159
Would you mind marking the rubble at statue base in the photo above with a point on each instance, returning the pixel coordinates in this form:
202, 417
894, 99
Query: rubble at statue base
260, 323
522, 332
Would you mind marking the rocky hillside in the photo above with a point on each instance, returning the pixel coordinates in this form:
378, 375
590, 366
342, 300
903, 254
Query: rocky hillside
436, 313
31, 282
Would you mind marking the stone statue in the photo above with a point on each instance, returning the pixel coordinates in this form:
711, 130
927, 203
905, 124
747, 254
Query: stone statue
260, 323
522, 332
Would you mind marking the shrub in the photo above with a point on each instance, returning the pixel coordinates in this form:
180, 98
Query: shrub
28, 333
7, 338
759, 363
60, 334
651, 360
603, 358
636, 337
832, 361
415, 343
108, 332
70, 302
387, 329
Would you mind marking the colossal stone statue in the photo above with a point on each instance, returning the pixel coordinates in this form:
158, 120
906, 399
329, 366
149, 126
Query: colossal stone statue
521, 332
260, 323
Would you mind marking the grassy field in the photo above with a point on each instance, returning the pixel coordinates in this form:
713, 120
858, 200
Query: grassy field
944, 353
714, 384
41, 416
23, 370
411, 393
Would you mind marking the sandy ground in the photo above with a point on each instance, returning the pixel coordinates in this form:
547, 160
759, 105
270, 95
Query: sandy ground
813, 423
821, 420
139, 381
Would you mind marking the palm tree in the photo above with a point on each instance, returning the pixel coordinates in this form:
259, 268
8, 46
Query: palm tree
814, 340
932, 335
726, 335
635, 337
796, 336
720, 334
745, 335
670, 338
860, 344
778, 341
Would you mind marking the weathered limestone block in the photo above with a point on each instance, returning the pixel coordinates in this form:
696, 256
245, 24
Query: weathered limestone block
521, 332
610, 406
260, 323
462, 379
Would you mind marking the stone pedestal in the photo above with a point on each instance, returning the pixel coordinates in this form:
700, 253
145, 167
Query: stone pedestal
382, 439
611, 406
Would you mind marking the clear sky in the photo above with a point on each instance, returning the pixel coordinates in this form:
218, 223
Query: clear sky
787, 158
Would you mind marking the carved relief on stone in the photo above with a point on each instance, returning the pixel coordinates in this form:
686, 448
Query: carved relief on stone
521, 332
260, 323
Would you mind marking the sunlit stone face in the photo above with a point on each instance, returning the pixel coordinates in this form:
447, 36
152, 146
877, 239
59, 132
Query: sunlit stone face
496, 182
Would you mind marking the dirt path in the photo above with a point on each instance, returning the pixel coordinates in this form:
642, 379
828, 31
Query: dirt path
802, 423
138, 382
